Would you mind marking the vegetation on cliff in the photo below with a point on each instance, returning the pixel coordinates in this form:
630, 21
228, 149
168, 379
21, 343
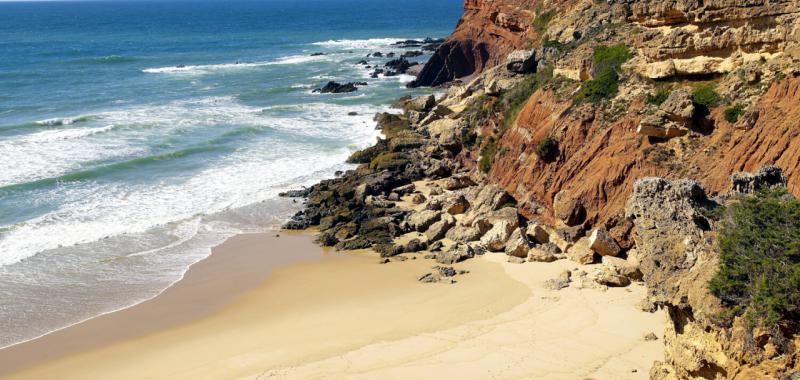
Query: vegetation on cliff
760, 259
607, 63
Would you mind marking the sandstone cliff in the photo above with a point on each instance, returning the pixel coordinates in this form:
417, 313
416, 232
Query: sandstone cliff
536, 152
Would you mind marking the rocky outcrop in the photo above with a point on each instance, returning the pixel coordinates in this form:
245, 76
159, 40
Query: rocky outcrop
487, 32
678, 257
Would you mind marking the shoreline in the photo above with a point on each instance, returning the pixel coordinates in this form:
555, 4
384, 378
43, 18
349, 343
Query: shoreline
310, 315
94, 343
18, 355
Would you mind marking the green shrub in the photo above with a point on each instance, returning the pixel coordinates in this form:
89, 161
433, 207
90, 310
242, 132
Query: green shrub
556, 45
488, 152
732, 113
759, 274
605, 84
658, 98
547, 149
542, 20
610, 57
706, 96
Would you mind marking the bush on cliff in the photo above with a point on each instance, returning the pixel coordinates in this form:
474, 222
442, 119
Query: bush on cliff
488, 152
543, 19
759, 274
706, 96
608, 61
547, 149
732, 113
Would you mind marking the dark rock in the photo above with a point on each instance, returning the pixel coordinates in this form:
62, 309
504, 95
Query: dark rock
412, 54
336, 88
453, 59
317, 54
303, 193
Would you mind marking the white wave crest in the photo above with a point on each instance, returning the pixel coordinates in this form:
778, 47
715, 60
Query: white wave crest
371, 43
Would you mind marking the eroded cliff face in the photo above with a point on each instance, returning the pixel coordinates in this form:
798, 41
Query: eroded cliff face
600, 159
743, 52
679, 255
486, 33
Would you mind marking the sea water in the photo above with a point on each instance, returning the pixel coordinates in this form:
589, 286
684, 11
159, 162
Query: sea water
136, 135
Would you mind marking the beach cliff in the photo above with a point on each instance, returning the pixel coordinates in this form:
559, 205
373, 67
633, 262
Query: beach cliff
599, 132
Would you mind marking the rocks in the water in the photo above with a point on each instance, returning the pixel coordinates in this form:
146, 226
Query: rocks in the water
376, 54
602, 243
411, 54
317, 54
302, 193
338, 88
400, 65
456, 253
521, 61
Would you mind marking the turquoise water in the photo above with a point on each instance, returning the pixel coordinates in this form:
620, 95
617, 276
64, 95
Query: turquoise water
136, 135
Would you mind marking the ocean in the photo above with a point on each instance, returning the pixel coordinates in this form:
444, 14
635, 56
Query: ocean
136, 135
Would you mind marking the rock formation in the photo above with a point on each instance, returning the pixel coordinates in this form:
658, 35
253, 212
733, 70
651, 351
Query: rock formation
566, 132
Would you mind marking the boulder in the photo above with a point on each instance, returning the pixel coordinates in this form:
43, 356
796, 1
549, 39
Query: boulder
679, 106
659, 126
622, 267
438, 230
421, 103
457, 253
457, 206
562, 281
602, 243
516, 260
463, 234
542, 256
457, 183
516, 245
336, 88
609, 278
521, 61
538, 233
581, 253
414, 245
495, 239
421, 220
418, 199
568, 209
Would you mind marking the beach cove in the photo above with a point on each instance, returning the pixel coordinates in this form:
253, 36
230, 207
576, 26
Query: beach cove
295, 311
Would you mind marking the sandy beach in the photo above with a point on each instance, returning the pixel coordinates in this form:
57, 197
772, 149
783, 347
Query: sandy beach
280, 307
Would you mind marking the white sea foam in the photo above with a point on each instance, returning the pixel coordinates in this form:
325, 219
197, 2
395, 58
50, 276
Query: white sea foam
90, 212
62, 121
212, 68
371, 43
